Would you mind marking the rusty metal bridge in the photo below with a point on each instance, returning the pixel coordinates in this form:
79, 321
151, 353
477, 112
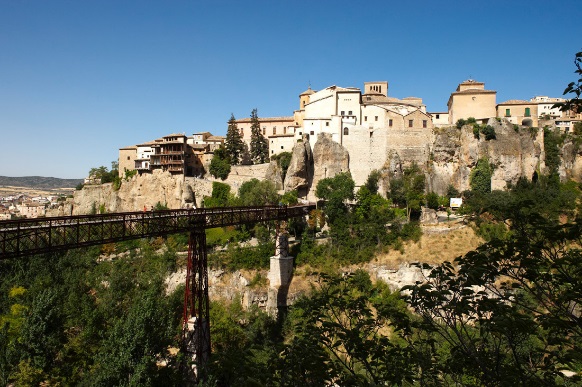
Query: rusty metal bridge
26, 237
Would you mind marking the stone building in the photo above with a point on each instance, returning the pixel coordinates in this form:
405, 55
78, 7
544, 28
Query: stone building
175, 153
519, 112
471, 100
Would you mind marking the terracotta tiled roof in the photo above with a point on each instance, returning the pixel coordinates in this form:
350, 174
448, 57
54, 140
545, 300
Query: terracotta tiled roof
516, 102
175, 135
266, 119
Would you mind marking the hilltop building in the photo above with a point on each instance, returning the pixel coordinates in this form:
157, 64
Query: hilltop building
175, 153
471, 100
375, 128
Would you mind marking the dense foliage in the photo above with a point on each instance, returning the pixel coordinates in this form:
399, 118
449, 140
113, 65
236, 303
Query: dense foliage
78, 319
220, 164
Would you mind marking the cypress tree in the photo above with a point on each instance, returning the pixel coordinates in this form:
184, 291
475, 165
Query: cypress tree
234, 145
259, 144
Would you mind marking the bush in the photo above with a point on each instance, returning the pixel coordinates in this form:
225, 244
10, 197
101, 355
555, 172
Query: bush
460, 123
489, 132
432, 200
220, 164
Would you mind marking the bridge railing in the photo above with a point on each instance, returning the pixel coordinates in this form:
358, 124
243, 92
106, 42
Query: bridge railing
34, 236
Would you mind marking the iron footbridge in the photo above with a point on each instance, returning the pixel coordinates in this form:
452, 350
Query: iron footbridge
24, 237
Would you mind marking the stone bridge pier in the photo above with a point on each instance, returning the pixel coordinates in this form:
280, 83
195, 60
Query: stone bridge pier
280, 274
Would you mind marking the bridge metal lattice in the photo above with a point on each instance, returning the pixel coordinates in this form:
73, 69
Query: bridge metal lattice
24, 237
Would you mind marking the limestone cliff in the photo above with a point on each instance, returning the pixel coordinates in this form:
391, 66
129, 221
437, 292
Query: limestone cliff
514, 153
141, 191
452, 153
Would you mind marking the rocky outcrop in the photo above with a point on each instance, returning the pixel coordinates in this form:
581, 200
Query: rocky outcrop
514, 154
571, 166
275, 174
300, 172
329, 159
306, 167
139, 192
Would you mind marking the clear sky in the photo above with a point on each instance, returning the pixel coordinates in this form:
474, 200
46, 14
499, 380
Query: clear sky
80, 79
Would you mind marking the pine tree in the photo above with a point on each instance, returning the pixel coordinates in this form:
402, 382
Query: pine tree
259, 144
234, 142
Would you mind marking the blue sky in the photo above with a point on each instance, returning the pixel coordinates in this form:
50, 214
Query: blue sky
79, 79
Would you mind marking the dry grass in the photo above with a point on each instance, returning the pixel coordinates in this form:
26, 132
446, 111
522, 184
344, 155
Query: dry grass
433, 249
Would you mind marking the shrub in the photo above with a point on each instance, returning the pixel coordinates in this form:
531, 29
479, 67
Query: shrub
476, 131
460, 123
489, 132
432, 200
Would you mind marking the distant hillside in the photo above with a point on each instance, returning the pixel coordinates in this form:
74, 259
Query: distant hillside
39, 182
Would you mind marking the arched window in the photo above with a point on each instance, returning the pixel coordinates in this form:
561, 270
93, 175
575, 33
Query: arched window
346, 131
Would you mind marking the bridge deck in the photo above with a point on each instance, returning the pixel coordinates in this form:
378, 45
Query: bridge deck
35, 236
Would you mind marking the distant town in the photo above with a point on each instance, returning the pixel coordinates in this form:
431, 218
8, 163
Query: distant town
19, 202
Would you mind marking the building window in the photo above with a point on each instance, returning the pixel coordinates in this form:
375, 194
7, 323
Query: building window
410, 122
365, 118
527, 112
507, 112
311, 132
284, 130
343, 113
350, 113
390, 122
437, 116
346, 131
281, 146
242, 132
327, 124
274, 130
128, 157
264, 131
376, 118
424, 123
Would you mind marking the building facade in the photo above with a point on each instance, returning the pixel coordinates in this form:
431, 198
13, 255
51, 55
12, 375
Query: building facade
471, 100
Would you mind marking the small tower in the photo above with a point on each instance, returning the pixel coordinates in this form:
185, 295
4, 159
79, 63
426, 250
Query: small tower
378, 88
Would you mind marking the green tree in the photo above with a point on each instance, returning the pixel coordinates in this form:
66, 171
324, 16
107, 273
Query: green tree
234, 145
259, 145
505, 312
552, 142
221, 196
258, 193
336, 191
220, 165
480, 177
574, 103
372, 181
340, 336
432, 200
408, 190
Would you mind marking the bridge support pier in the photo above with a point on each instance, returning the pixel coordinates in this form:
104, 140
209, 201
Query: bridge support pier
196, 317
280, 274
